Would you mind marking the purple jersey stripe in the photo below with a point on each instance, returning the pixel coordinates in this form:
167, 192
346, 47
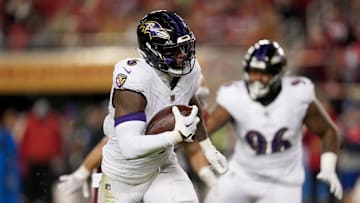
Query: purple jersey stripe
138, 116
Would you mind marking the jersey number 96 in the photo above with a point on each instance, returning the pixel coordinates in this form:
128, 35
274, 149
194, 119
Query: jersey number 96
258, 143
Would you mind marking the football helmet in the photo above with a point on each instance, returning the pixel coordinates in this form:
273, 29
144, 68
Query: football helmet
162, 35
268, 57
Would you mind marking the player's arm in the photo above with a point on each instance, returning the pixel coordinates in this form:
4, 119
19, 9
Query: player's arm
199, 163
213, 156
93, 160
319, 123
201, 133
76, 180
217, 119
130, 126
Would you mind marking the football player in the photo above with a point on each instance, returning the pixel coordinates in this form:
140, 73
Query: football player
268, 111
138, 168
71, 183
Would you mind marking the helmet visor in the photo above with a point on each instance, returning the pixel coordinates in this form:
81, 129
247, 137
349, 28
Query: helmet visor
178, 59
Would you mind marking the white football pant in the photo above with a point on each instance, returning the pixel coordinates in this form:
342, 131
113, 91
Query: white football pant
170, 185
238, 186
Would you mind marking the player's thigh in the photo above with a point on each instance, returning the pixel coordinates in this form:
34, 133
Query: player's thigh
233, 187
111, 191
281, 193
229, 189
171, 185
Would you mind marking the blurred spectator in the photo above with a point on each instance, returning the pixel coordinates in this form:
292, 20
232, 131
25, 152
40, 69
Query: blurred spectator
73, 146
335, 23
314, 54
85, 135
41, 152
93, 127
21, 21
351, 70
10, 188
63, 23
349, 160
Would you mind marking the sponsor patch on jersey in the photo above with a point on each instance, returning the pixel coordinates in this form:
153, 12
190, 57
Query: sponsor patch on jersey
120, 79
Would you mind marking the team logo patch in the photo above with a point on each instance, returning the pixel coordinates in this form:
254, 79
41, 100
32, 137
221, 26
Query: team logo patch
132, 62
107, 187
154, 29
120, 79
297, 81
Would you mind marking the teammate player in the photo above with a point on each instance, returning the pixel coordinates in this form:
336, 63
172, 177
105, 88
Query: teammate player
144, 168
268, 111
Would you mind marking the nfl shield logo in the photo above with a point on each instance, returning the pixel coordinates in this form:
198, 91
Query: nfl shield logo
107, 187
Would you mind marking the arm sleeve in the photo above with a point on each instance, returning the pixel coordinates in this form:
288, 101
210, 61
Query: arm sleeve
133, 143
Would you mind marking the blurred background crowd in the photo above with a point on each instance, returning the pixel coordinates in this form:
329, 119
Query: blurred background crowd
50, 122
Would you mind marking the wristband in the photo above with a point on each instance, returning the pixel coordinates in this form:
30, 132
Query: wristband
95, 180
328, 161
206, 145
207, 176
82, 173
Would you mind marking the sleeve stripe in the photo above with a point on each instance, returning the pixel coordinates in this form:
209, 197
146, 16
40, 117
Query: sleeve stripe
137, 116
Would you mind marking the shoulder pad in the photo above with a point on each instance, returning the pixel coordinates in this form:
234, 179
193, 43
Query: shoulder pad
130, 73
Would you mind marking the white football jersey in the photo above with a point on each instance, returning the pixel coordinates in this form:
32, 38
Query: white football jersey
136, 75
269, 138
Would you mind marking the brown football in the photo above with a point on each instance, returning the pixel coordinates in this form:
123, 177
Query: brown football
164, 120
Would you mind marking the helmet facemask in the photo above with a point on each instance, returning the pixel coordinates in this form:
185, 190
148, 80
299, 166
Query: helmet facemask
258, 90
266, 57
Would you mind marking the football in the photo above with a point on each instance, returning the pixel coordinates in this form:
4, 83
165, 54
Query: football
164, 120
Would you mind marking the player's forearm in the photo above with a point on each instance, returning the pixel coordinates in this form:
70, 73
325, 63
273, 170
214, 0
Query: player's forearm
195, 156
199, 163
201, 133
93, 159
319, 122
217, 119
133, 143
329, 141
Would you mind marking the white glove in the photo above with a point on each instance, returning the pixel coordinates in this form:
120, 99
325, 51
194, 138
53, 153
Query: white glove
328, 175
207, 176
217, 161
72, 182
186, 125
